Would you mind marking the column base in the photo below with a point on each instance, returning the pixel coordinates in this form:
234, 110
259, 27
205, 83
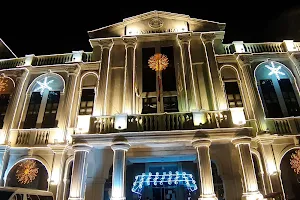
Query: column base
118, 198
208, 197
252, 196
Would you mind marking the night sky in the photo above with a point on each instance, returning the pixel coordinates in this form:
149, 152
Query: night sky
50, 27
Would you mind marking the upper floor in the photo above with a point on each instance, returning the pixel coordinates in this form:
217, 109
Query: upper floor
154, 72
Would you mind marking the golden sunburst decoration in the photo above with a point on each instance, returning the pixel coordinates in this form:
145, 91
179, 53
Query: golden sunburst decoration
3, 84
27, 171
158, 62
295, 161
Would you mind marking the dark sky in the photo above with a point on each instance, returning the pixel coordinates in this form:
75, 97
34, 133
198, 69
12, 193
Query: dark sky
50, 27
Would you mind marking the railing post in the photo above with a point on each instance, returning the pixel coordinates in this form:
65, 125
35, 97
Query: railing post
293, 127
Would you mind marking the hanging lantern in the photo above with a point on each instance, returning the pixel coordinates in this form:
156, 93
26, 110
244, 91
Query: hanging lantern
158, 62
295, 161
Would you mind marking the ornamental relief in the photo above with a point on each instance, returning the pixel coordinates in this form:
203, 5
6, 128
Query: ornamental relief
155, 23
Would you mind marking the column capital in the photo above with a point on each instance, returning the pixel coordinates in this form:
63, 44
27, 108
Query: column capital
82, 147
201, 143
184, 38
207, 37
241, 140
129, 41
244, 59
296, 56
120, 146
106, 43
72, 70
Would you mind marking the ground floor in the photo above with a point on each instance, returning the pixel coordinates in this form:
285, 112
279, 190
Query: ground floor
164, 166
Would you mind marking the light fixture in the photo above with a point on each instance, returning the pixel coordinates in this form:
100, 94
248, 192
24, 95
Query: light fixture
43, 85
238, 115
199, 117
121, 121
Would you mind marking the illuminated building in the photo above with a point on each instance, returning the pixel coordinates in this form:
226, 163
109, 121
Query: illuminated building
206, 120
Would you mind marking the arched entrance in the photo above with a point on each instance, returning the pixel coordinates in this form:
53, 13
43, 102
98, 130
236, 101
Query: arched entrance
29, 173
289, 167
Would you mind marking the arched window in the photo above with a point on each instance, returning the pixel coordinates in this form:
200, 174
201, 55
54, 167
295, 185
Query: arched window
6, 88
45, 92
88, 87
29, 173
229, 77
277, 88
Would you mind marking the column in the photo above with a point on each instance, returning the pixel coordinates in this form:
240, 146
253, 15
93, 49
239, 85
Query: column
104, 69
249, 79
119, 168
129, 76
272, 175
192, 98
4, 157
68, 100
249, 178
13, 117
217, 94
207, 191
79, 173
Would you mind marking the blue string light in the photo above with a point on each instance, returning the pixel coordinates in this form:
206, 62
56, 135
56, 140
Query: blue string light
183, 178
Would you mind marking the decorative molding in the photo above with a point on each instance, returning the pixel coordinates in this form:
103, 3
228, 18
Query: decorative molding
244, 59
208, 37
184, 38
201, 143
156, 22
106, 43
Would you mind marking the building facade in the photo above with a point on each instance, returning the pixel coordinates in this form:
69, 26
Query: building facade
160, 109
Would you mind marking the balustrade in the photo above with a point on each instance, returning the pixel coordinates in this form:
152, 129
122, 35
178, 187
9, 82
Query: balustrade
11, 63
34, 137
161, 122
284, 126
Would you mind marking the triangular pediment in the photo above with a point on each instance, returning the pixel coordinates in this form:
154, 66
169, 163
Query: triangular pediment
156, 22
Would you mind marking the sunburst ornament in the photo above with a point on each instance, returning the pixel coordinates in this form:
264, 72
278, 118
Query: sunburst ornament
27, 171
3, 84
295, 161
158, 62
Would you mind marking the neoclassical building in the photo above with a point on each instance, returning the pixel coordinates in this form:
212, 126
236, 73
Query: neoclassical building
161, 109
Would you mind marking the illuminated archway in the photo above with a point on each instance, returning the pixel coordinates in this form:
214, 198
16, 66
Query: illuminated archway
28, 173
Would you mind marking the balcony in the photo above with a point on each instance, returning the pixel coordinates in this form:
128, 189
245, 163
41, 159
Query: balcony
157, 122
35, 137
284, 126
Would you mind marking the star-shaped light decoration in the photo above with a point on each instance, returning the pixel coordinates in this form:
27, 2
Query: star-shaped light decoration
43, 85
274, 70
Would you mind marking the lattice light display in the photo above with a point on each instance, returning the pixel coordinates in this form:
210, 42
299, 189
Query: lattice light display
158, 62
27, 172
295, 161
157, 179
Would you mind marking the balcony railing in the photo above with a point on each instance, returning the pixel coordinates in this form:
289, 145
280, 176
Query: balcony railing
263, 47
52, 59
34, 137
284, 126
161, 122
11, 63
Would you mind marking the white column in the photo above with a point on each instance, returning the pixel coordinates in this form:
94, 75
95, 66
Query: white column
100, 104
248, 76
4, 157
192, 97
79, 174
129, 76
207, 191
249, 178
218, 98
119, 169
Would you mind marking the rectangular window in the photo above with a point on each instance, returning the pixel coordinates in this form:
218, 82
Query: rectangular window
87, 102
168, 75
273, 109
149, 105
4, 101
289, 97
49, 120
171, 104
149, 75
33, 110
233, 94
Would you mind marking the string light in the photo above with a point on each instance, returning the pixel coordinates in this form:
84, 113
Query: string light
183, 178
